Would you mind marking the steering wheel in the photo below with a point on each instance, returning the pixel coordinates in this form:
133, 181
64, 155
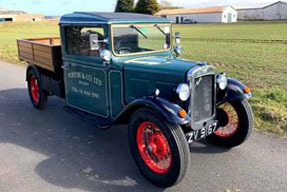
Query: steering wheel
124, 50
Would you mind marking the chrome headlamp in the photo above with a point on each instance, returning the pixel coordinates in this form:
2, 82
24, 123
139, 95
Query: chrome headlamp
221, 81
106, 55
183, 91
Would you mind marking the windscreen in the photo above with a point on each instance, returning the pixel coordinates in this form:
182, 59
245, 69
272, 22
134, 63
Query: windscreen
133, 39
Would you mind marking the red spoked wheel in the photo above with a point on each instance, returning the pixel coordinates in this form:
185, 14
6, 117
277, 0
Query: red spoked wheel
153, 147
235, 120
34, 89
159, 148
231, 121
37, 95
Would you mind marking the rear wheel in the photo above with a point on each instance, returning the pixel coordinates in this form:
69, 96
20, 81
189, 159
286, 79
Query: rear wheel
37, 95
236, 123
159, 148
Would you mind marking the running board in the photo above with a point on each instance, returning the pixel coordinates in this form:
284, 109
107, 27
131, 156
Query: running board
94, 120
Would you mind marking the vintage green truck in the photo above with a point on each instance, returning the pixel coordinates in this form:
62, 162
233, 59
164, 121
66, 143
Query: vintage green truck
125, 68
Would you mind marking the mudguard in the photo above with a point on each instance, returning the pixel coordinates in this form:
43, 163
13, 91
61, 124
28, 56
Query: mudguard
32, 67
169, 111
234, 91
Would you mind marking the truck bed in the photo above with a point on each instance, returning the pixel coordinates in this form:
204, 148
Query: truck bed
42, 52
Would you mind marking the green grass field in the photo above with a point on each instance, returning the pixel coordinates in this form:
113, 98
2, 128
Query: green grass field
254, 52
11, 31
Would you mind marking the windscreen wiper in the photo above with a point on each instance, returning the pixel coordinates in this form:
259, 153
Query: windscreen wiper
138, 30
160, 30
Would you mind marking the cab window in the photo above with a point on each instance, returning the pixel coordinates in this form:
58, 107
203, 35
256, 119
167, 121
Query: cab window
85, 41
135, 39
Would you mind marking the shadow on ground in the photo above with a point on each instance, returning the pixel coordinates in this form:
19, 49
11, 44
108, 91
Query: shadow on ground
78, 155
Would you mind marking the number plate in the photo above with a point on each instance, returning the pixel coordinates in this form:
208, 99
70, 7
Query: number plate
201, 133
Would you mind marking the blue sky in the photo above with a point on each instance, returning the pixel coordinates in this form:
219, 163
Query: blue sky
59, 7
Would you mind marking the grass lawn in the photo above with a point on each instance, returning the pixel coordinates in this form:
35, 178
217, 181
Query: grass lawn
253, 52
11, 31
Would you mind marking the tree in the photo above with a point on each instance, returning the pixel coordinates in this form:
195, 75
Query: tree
147, 6
140, 6
152, 7
124, 6
164, 4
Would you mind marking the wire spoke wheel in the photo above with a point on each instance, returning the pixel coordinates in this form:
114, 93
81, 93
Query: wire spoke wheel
153, 147
37, 95
34, 89
159, 148
235, 120
232, 121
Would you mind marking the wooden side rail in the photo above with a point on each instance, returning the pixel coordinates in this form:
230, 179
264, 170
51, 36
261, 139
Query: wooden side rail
42, 52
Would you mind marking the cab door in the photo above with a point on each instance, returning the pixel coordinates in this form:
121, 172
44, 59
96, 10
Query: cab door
85, 73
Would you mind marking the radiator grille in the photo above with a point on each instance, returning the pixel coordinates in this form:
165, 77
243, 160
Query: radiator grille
203, 98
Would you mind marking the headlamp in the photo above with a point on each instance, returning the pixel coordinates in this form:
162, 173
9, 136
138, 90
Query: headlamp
183, 91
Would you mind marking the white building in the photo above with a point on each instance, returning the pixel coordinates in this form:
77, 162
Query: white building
274, 11
225, 14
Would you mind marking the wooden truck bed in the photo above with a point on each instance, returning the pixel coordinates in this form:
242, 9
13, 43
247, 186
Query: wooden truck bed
42, 52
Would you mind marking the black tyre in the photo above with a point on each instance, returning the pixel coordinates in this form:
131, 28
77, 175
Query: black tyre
159, 148
37, 95
236, 123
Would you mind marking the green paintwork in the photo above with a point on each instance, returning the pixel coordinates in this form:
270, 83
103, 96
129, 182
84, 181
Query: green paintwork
116, 92
87, 88
144, 75
157, 64
107, 88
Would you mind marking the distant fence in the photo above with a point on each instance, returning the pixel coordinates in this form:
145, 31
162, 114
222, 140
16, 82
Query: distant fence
238, 40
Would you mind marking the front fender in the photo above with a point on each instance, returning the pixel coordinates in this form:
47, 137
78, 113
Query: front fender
234, 91
169, 111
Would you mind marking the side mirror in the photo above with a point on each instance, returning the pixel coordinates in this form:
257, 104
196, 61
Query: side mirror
94, 42
177, 37
178, 50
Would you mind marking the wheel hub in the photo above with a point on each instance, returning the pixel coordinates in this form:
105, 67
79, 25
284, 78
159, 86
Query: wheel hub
222, 117
159, 146
228, 121
34, 89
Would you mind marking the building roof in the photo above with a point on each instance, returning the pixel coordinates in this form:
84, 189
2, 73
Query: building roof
191, 10
262, 7
4, 11
110, 18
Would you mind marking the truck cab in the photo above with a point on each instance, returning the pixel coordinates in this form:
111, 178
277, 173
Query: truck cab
126, 68
112, 59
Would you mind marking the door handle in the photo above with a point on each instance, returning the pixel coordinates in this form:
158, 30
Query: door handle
66, 66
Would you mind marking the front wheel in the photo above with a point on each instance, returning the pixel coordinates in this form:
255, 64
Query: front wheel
159, 148
235, 123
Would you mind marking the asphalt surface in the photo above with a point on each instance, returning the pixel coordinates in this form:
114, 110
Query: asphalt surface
50, 150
